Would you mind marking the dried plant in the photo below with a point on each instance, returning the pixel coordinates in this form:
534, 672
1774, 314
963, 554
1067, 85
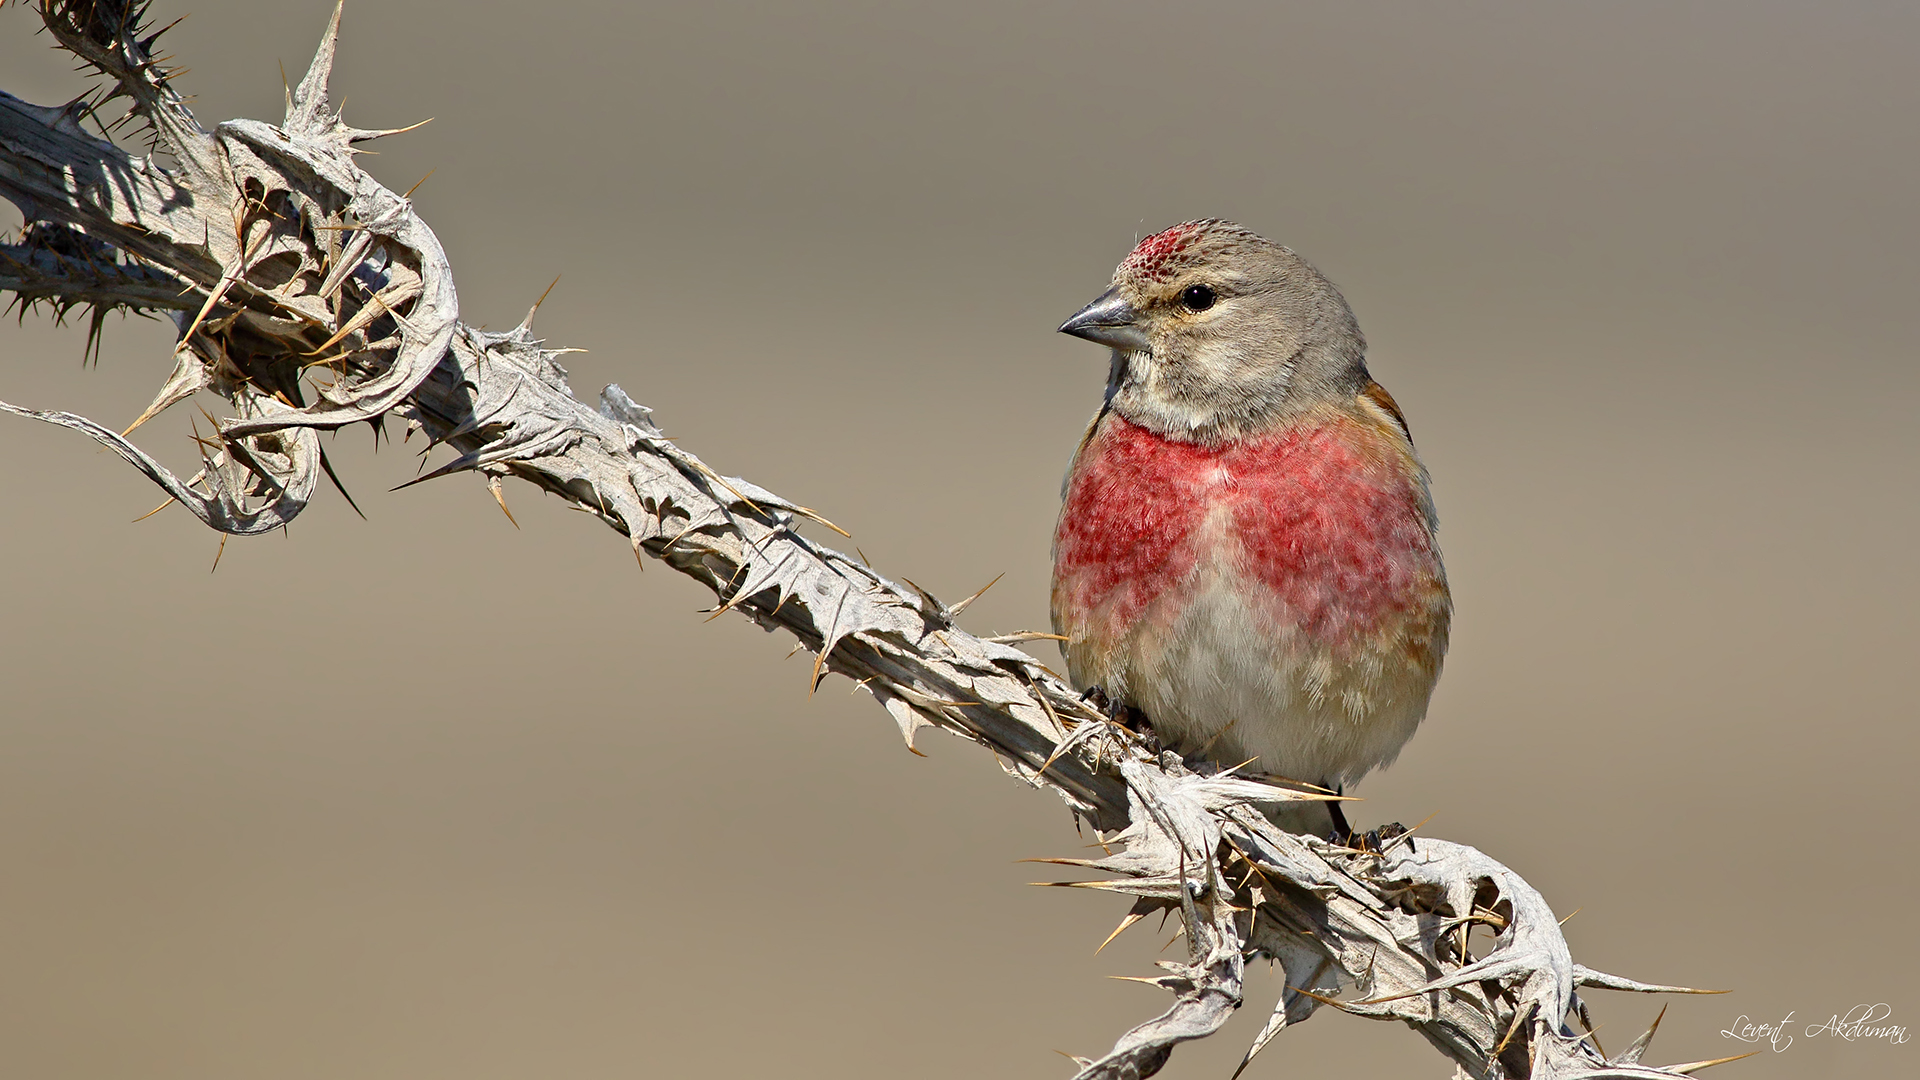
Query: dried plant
310, 297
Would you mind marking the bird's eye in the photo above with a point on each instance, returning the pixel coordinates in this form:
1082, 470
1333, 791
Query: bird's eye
1197, 297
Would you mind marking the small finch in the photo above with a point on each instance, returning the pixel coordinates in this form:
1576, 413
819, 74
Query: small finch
1246, 553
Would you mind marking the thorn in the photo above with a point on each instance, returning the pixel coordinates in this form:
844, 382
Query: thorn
1059, 747
368, 136
155, 510
95, 336
1640, 1044
1132, 917
827, 644
1696, 1066
493, 485
956, 609
1408, 837
213, 297
217, 554
527, 323
416, 187
1571, 914
814, 515
138, 420
722, 481
146, 44
682, 535
1136, 978
327, 466
1586, 1021
1321, 998
1058, 724
327, 360
1519, 1017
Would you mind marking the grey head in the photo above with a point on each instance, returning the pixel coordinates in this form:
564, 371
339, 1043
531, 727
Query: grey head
1218, 332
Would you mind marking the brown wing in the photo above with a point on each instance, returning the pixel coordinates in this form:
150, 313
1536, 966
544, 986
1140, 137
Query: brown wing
1376, 395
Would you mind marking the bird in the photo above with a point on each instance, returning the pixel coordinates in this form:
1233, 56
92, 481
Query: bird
1245, 555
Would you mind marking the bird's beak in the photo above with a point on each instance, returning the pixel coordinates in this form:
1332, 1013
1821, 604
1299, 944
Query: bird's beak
1109, 321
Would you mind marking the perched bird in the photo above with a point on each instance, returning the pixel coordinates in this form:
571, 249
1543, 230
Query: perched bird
1246, 553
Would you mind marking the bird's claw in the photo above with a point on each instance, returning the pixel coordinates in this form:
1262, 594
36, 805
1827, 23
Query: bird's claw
1124, 715
1373, 841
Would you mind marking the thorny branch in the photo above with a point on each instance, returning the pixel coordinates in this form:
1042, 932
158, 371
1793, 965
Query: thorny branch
310, 297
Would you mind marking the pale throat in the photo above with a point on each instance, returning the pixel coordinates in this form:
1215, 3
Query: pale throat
1209, 410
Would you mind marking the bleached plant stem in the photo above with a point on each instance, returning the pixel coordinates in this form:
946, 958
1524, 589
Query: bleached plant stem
310, 297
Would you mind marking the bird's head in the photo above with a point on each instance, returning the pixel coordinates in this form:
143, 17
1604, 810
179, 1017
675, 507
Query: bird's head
1218, 332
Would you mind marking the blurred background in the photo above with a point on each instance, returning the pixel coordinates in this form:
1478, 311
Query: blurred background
1642, 278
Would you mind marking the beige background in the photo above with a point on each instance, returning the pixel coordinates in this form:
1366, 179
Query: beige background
1642, 276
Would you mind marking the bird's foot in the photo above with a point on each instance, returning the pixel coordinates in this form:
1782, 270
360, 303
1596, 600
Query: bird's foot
1126, 716
1374, 841
1136, 721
